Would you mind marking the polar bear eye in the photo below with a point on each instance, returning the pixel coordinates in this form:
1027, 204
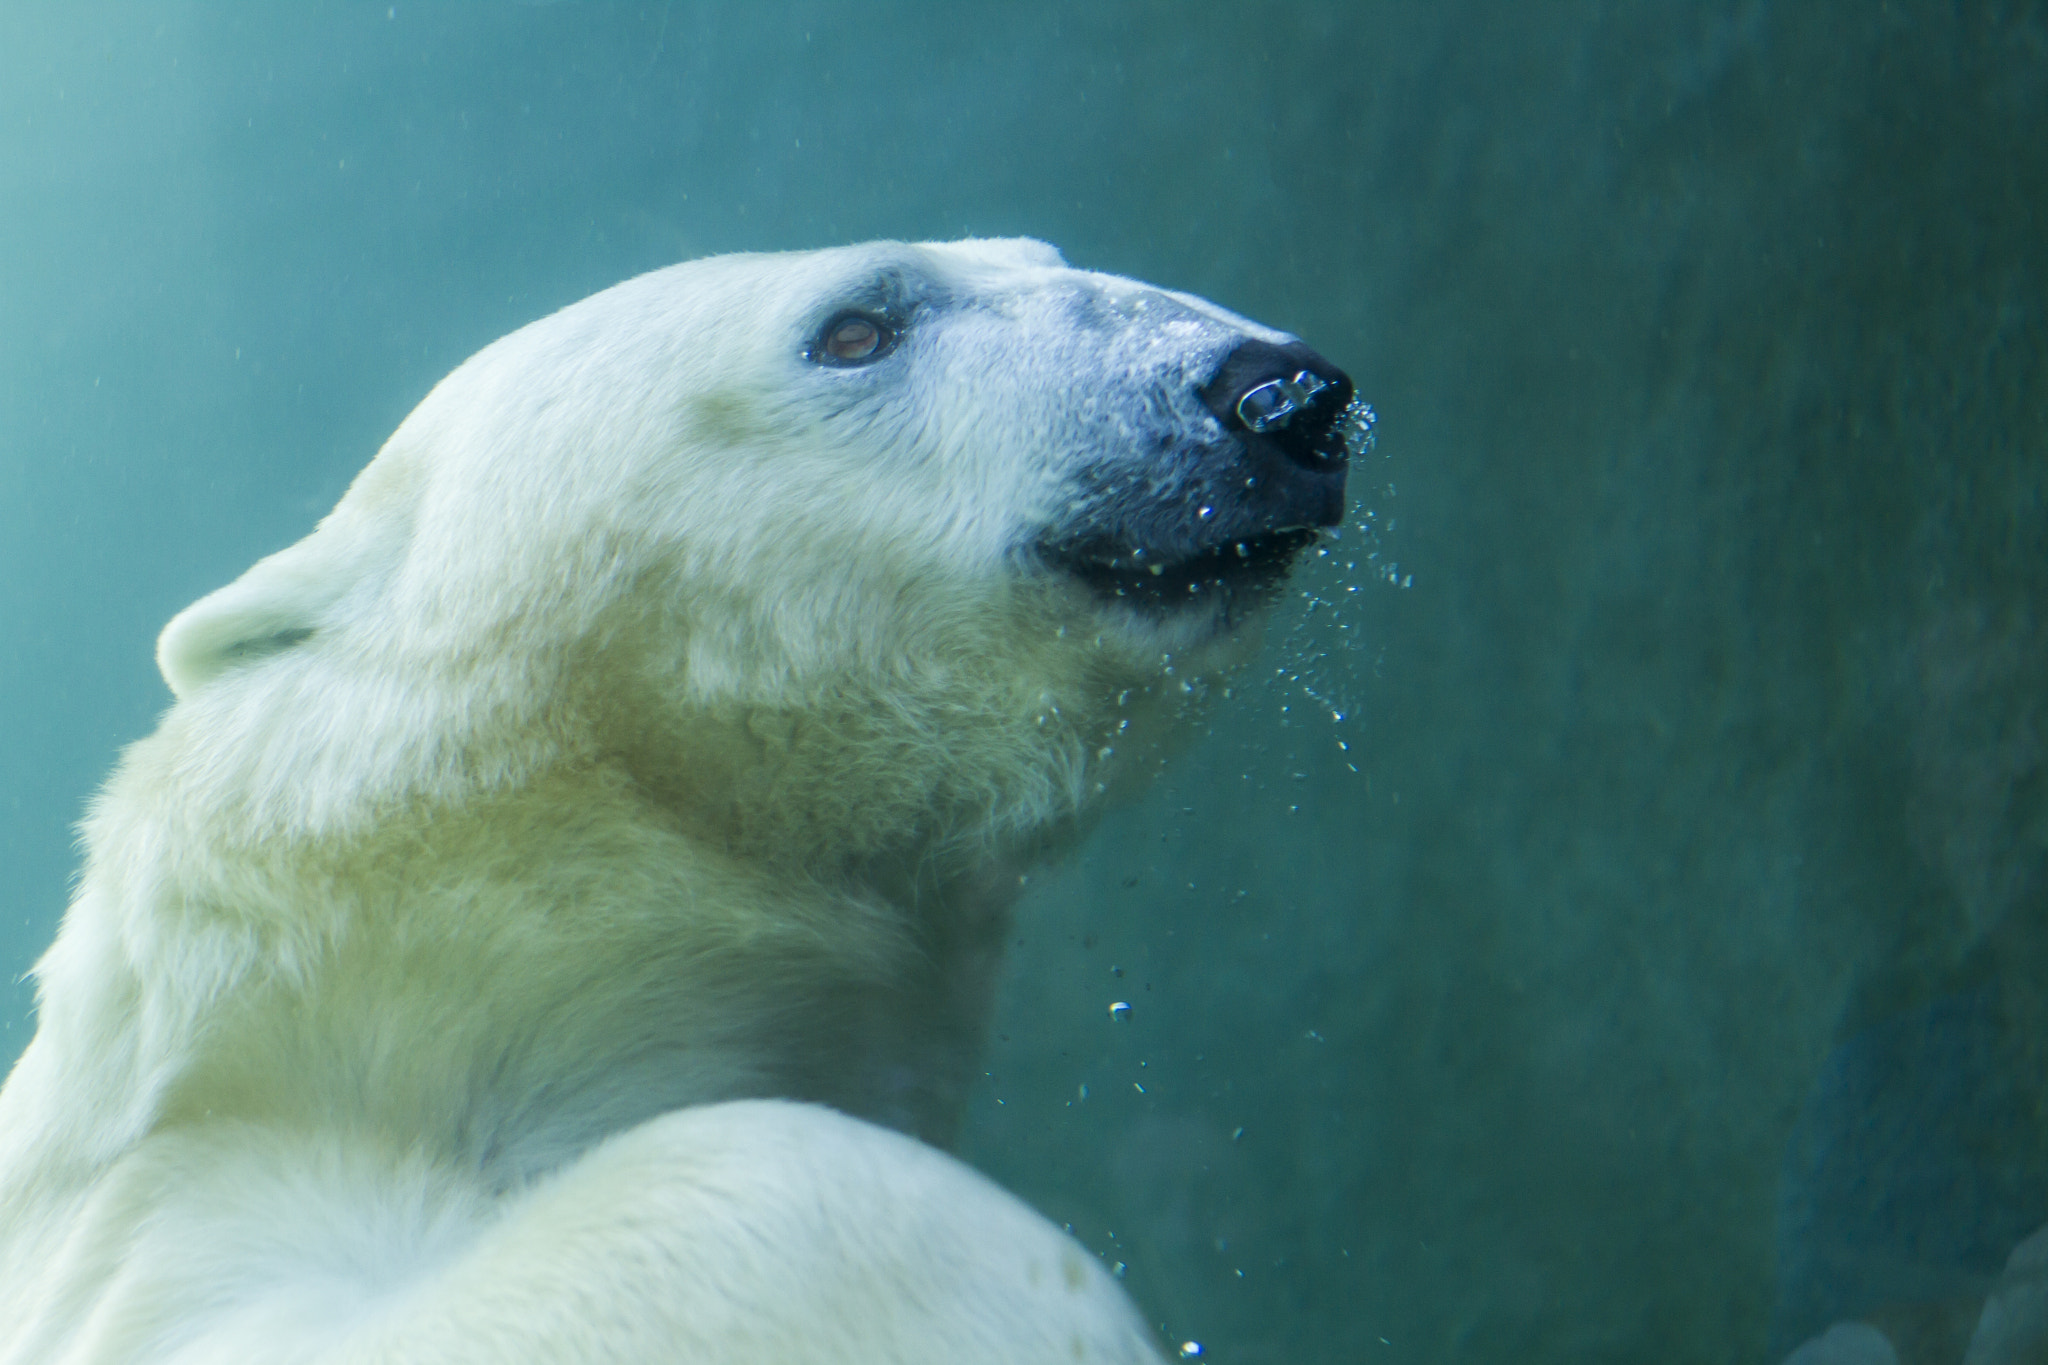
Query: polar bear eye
853, 339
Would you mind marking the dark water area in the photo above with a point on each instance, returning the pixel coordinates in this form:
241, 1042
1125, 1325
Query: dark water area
1649, 962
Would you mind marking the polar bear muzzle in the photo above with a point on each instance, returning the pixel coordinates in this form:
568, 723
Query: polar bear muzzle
1233, 523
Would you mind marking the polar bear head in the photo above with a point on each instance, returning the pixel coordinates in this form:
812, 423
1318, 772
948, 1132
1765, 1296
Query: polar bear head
826, 546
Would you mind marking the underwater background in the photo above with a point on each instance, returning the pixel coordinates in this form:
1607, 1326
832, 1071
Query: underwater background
1608, 923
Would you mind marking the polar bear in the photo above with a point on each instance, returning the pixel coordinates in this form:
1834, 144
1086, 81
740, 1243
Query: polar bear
556, 920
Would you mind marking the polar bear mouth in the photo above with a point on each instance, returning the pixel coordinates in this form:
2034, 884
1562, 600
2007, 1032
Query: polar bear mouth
1253, 565
1221, 508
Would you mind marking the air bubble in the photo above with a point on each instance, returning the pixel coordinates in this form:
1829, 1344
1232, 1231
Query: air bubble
1120, 1010
1191, 1350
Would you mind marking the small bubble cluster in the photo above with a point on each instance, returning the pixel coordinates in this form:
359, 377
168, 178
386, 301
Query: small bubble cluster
1321, 656
1355, 424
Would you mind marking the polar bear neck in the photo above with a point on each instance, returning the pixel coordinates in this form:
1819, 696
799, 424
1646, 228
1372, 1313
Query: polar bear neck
803, 899
626, 970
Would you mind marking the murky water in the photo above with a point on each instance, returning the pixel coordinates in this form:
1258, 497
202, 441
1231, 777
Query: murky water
1607, 924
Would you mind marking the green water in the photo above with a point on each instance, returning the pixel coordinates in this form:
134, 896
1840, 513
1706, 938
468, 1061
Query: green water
1697, 773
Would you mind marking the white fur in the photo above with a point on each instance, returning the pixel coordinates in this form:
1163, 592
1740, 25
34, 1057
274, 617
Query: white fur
640, 758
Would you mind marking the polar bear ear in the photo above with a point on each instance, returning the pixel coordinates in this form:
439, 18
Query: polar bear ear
275, 605
1007, 251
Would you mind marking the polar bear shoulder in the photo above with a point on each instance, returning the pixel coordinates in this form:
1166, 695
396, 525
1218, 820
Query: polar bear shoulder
750, 1231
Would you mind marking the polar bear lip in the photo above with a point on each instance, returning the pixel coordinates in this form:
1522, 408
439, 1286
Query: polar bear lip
1254, 564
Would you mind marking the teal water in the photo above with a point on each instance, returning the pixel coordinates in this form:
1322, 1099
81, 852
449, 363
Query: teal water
1648, 963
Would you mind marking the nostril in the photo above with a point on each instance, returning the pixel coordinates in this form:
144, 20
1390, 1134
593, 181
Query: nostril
1278, 402
1288, 395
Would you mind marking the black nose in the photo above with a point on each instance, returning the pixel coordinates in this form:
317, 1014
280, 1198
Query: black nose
1283, 400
